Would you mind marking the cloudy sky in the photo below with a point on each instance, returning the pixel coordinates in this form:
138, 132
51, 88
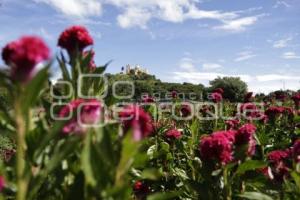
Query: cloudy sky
177, 40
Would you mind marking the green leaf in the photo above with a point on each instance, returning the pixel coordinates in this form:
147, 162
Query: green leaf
61, 152
165, 147
86, 161
47, 139
63, 68
249, 166
129, 150
34, 88
181, 173
255, 196
151, 174
151, 152
163, 196
296, 178
101, 69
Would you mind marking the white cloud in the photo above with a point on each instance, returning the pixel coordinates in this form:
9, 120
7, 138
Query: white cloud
282, 43
280, 3
134, 17
211, 66
139, 12
276, 77
245, 55
238, 25
290, 55
187, 64
256, 83
75, 8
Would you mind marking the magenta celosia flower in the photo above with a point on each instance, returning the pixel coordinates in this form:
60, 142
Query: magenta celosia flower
262, 117
232, 124
185, 110
216, 97
274, 111
174, 94
296, 99
136, 119
173, 134
23, 55
250, 109
2, 183
281, 96
296, 151
91, 65
245, 136
278, 155
148, 99
248, 97
217, 147
279, 163
75, 37
140, 189
219, 90
82, 112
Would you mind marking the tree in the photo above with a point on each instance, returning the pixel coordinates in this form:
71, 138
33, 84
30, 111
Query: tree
234, 88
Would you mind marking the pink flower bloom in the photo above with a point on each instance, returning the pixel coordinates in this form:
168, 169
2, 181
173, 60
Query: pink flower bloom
2, 183
140, 188
278, 155
245, 136
296, 99
185, 110
89, 114
91, 65
148, 99
232, 124
275, 110
136, 119
216, 97
217, 147
219, 90
75, 37
278, 160
281, 96
173, 134
296, 151
23, 55
250, 109
174, 94
248, 97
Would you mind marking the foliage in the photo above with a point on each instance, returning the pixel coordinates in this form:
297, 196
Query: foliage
148, 156
234, 88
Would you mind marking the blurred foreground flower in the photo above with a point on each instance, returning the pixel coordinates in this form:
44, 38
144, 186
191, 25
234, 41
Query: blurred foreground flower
23, 55
82, 112
136, 119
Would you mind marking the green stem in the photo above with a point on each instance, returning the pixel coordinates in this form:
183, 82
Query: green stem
227, 186
21, 144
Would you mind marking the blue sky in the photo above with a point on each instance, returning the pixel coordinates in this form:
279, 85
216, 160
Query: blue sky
177, 40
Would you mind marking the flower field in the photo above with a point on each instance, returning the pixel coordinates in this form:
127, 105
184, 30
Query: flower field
77, 142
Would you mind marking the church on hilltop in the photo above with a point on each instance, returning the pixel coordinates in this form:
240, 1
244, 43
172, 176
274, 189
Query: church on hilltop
135, 70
